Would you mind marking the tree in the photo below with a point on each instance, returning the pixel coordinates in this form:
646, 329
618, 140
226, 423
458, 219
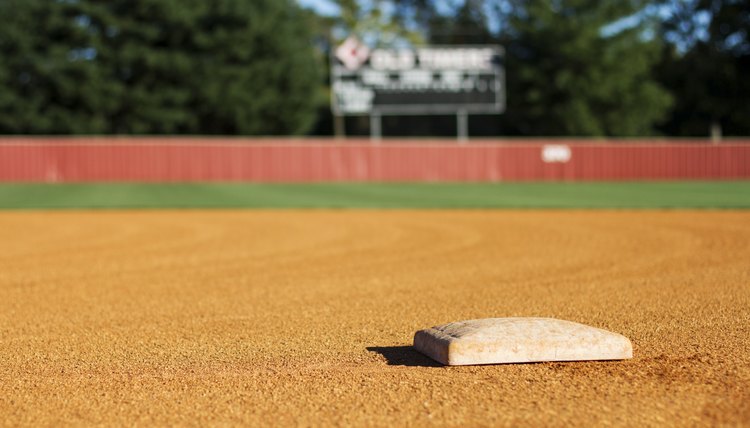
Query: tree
574, 67
379, 23
707, 65
466, 25
47, 83
572, 72
157, 67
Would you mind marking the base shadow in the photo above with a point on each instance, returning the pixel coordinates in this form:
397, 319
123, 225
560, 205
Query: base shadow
404, 356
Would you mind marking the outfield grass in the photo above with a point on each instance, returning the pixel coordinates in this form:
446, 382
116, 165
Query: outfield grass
378, 195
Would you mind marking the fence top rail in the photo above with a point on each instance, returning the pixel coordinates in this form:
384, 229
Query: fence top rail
146, 146
196, 141
273, 142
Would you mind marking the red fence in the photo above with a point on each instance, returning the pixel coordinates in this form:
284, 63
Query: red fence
272, 160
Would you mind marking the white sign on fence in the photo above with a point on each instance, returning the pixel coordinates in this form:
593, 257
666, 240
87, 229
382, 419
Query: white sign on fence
556, 153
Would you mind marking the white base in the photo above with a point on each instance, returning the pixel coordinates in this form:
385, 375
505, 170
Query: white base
519, 340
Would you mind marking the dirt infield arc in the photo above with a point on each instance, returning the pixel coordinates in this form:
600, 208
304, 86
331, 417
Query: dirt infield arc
305, 318
265, 160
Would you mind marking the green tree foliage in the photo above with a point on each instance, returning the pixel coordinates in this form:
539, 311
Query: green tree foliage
467, 26
707, 66
156, 67
46, 86
571, 69
572, 72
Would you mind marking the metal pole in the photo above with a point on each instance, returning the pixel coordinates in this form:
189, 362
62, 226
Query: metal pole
339, 126
462, 123
376, 131
715, 132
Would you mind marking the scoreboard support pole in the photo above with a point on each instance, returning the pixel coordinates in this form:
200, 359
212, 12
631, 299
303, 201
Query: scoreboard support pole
339, 126
376, 130
462, 125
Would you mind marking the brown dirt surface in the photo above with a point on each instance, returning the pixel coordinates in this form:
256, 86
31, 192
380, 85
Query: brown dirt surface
307, 317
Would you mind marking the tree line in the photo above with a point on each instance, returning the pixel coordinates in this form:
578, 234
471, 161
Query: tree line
156, 67
259, 67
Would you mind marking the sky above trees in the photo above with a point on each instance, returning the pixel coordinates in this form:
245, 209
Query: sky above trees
659, 9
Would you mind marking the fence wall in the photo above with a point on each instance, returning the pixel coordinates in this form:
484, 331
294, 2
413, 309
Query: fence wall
280, 160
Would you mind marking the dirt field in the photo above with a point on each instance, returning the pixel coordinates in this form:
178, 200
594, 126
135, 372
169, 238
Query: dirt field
305, 318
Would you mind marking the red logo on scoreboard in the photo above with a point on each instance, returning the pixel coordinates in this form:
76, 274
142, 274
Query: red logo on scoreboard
352, 53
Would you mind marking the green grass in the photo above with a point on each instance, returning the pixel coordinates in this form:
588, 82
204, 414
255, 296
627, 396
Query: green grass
717, 194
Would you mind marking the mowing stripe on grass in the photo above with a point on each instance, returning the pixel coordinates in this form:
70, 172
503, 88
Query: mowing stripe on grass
692, 194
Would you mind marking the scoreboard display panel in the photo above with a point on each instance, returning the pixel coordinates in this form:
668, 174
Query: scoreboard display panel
428, 80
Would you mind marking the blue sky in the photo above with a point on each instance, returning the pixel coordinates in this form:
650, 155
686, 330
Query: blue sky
328, 7
324, 7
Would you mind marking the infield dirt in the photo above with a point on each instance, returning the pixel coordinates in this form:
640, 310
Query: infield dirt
307, 317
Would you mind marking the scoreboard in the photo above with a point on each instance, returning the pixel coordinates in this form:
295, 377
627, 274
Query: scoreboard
428, 80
